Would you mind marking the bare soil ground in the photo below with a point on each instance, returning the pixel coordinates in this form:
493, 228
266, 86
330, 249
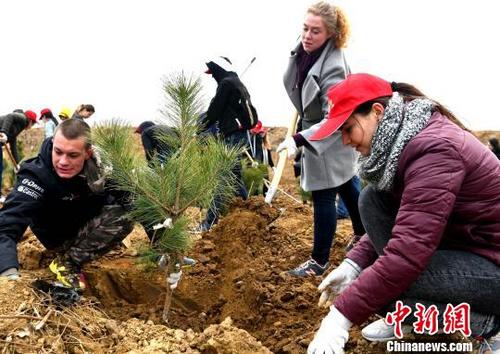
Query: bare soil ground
236, 299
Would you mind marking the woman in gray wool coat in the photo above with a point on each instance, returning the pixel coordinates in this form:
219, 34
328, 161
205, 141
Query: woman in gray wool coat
315, 65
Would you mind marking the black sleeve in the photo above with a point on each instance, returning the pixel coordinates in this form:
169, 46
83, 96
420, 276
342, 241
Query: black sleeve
299, 140
22, 204
149, 145
269, 158
6, 124
218, 104
13, 148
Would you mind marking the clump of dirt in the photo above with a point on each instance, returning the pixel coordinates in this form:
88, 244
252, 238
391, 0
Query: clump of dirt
139, 337
31, 323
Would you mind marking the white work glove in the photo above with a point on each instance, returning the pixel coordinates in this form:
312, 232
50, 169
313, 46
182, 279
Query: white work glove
3, 138
338, 279
10, 273
332, 335
289, 145
173, 279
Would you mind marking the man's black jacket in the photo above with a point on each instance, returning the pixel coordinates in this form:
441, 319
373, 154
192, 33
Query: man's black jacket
54, 208
154, 143
226, 105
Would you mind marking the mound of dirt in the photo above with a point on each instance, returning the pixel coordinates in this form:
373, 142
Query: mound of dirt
240, 274
31, 323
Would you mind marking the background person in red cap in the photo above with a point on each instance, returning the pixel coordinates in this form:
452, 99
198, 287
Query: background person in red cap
316, 64
431, 212
11, 125
49, 121
259, 145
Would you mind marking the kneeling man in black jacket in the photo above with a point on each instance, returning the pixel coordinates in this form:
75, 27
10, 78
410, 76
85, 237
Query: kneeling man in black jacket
61, 195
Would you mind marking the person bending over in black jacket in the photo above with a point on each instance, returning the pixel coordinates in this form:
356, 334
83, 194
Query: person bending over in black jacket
11, 125
153, 141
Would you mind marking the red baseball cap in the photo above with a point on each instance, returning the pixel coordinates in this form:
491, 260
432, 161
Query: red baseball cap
258, 128
44, 111
30, 115
346, 96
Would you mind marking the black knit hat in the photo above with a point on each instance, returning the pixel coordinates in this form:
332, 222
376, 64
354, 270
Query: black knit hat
143, 126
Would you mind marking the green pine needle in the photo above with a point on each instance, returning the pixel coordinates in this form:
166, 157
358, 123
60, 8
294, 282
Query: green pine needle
199, 169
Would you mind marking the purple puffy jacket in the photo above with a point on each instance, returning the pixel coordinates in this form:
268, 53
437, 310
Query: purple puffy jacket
449, 186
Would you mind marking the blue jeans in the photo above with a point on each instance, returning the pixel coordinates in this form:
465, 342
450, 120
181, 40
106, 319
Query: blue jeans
325, 217
238, 138
451, 277
342, 211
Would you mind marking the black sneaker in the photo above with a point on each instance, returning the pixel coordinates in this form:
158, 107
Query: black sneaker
309, 268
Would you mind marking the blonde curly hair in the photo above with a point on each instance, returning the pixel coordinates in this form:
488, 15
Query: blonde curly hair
335, 21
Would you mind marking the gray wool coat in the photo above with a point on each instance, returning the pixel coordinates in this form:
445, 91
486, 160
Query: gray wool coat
336, 164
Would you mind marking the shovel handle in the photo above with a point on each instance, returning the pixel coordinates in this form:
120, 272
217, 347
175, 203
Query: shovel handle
14, 162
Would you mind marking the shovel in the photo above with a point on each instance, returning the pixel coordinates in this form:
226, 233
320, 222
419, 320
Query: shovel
12, 159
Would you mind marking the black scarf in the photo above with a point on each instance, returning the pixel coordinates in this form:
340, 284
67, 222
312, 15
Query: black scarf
305, 61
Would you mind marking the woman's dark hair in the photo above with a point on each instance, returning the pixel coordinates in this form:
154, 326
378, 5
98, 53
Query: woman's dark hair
409, 93
50, 115
87, 107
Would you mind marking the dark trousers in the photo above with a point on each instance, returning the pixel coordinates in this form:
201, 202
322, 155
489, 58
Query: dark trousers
238, 138
451, 277
325, 217
99, 235
341, 208
1, 166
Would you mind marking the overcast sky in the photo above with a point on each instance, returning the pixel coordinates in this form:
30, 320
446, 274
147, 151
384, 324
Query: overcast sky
114, 53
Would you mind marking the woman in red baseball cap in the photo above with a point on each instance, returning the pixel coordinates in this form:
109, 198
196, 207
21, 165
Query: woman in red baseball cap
316, 63
431, 213
50, 122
